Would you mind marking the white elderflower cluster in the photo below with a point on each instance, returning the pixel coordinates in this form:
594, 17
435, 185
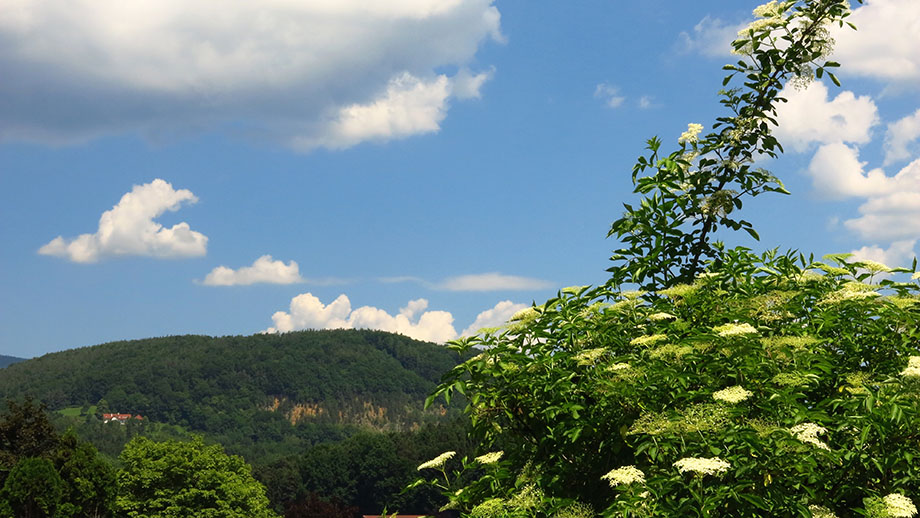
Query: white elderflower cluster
818, 511
702, 465
734, 394
732, 329
624, 476
899, 506
851, 291
490, 458
618, 367
661, 316
679, 291
874, 266
524, 315
809, 432
915, 276
438, 461
768, 10
691, 136
648, 340
913, 367
589, 356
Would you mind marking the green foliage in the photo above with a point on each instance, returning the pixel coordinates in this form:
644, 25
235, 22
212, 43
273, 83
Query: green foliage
44, 474
695, 190
187, 479
733, 384
25, 431
33, 489
807, 385
89, 480
9, 360
365, 471
261, 396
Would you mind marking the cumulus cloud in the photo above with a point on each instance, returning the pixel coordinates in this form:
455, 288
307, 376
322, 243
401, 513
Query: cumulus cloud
263, 270
885, 46
899, 253
129, 229
900, 137
711, 37
837, 172
609, 94
809, 117
302, 73
409, 107
894, 214
308, 312
492, 282
494, 317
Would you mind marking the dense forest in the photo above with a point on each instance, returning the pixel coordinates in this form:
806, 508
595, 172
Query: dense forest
8, 360
329, 420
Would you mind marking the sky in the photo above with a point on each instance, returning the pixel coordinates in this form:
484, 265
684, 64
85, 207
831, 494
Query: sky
426, 167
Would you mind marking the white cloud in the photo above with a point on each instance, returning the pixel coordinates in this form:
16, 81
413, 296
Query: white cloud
809, 117
609, 94
894, 214
492, 282
885, 46
290, 71
129, 229
646, 102
308, 312
263, 270
899, 253
711, 37
409, 107
494, 317
837, 173
900, 136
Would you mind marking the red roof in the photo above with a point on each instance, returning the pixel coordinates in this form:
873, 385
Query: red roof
120, 417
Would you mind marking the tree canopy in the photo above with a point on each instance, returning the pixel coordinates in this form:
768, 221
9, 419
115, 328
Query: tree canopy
185, 479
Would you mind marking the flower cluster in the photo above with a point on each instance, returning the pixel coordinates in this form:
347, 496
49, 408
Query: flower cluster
648, 340
769, 10
702, 465
913, 367
851, 291
661, 316
809, 432
899, 506
589, 356
618, 367
490, 458
679, 290
624, 476
873, 266
818, 511
691, 135
437, 462
734, 394
732, 329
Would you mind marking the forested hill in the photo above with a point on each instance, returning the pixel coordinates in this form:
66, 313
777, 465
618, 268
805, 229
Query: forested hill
244, 386
8, 360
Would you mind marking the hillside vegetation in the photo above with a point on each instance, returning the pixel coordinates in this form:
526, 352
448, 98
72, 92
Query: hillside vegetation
8, 360
330, 420
260, 389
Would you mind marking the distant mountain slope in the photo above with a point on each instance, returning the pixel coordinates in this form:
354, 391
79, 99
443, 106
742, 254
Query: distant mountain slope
245, 387
9, 360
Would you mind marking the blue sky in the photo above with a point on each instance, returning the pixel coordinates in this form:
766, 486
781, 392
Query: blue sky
429, 167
